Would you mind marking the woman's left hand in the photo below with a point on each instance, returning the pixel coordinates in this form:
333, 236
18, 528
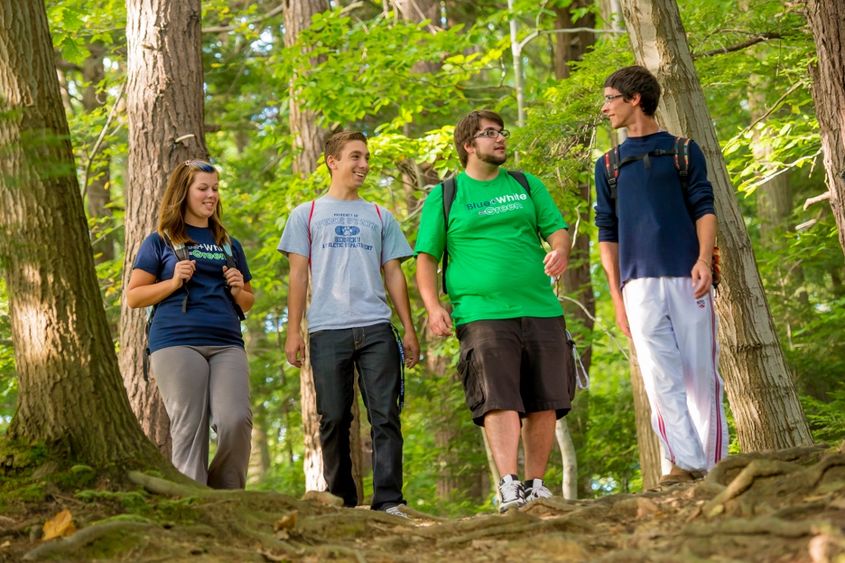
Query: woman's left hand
234, 279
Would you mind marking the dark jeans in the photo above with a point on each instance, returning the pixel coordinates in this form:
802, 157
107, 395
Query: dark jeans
373, 351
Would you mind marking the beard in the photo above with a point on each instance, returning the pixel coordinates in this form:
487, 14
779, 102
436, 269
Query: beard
492, 158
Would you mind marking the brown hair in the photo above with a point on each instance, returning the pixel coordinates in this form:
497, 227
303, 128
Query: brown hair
171, 213
336, 142
633, 80
466, 129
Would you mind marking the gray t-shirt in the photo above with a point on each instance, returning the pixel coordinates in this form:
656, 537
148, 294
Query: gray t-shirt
347, 242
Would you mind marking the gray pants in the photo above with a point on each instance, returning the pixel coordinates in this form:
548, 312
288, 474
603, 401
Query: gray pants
203, 385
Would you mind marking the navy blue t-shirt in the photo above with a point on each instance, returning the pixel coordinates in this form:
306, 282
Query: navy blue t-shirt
654, 217
210, 319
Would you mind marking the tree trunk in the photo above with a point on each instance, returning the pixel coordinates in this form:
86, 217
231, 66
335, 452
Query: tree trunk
761, 392
647, 442
308, 136
164, 100
827, 20
577, 281
70, 394
308, 146
98, 177
569, 47
259, 454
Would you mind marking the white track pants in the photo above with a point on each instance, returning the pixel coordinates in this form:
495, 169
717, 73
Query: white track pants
675, 338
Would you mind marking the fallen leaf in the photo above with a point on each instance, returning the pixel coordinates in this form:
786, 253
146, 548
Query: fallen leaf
58, 526
286, 522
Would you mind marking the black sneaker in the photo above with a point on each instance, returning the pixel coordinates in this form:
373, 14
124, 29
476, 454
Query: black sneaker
511, 493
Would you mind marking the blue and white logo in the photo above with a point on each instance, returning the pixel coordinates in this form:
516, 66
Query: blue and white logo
347, 230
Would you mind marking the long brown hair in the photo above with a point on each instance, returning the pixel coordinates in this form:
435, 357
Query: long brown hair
171, 213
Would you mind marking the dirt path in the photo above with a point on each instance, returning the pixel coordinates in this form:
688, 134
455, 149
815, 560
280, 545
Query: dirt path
785, 506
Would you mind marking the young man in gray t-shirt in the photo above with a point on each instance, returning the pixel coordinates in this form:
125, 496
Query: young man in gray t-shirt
345, 245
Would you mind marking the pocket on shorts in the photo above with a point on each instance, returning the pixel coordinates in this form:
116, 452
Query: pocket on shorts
468, 372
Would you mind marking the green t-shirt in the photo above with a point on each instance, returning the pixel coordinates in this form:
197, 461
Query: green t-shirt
495, 266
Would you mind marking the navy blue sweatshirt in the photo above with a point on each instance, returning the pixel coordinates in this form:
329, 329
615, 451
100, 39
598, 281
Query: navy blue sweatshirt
654, 218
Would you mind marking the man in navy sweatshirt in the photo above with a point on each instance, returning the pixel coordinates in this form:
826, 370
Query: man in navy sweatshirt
656, 238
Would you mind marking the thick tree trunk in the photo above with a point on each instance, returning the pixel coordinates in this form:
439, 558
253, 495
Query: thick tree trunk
70, 391
164, 99
761, 392
827, 20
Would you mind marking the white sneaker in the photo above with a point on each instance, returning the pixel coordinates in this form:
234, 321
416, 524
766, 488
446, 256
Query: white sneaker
511, 493
397, 511
535, 489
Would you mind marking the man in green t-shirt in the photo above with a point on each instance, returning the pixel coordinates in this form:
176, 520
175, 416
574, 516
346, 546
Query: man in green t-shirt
515, 364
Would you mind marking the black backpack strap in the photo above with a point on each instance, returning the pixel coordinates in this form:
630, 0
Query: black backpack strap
522, 179
181, 252
450, 187
232, 263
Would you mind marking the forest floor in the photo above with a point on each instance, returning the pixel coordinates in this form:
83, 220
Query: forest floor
785, 506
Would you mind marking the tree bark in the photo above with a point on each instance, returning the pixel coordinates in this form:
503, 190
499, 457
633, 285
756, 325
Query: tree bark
577, 281
827, 20
761, 392
648, 445
164, 100
99, 177
308, 136
308, 141
70, 393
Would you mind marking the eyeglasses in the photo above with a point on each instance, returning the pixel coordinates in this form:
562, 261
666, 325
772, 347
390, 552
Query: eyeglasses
493, 133
200, 165
609, 98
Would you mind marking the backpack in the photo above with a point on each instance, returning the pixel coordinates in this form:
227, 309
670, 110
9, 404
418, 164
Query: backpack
181, 252
450, 187
680, 157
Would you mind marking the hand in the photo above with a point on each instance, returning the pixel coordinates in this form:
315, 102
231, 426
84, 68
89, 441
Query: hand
702, 278
622, 320
295, 347
440, 321
412, 348
183, 271
234, 279
556, 263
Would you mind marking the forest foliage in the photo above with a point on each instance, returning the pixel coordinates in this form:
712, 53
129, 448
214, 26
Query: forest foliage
405, 84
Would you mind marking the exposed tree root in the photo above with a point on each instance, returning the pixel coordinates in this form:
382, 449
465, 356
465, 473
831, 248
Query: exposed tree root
82, 538
766, 525
756, 469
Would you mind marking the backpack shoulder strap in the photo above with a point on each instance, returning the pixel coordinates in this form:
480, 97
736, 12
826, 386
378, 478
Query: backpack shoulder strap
230, 257
231, 263
450, 187
522, 179
308, 228
611, 171
682, 159
178, 249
